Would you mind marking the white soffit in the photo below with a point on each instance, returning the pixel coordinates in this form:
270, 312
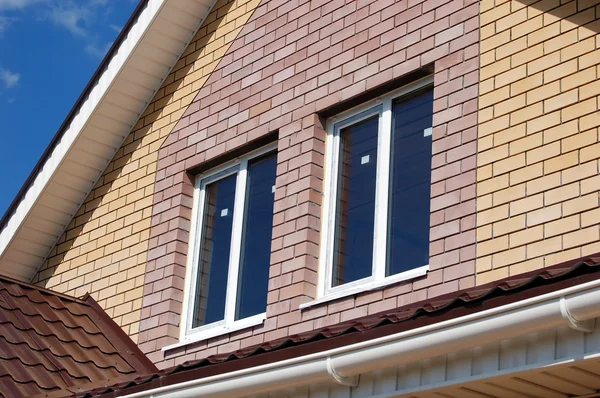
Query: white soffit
136, 71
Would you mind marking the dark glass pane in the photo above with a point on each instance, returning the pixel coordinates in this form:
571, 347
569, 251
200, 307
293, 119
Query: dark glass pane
408, 239
214, 252
253, 276
355, 213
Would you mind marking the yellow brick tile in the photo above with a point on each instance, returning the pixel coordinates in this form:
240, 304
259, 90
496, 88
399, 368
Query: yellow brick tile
544, 215
509, 257
493, 126
510, 134
510, 76
575, 50
495, 69
526, 236
578, 79
541, 64
492, 155
543, 153
509, 105
526, 84
508, 225
589, 153
525, 205
561, 101
591, 217
492, 246
544, 247
561, 162
561, 226
590, 185
589, 59
484, 202
492, 185
494, 14
526, 27
527, 114
525, 56
483, 264
509, 194
578, 110
561, 194
525, 144
526, 174
581, 204
484, 233
526, 266
580, 140
492, 215
490, 276
579, 172
567, 39
562, 256
495, 96
560, 71
543, 34
560, 131
589, 121
581, 237
543, 92
589, 90
509, 164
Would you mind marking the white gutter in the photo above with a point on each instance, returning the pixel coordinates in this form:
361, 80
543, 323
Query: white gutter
576, 306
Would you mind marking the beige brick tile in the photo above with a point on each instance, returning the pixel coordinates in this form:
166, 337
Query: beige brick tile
495, 96
526, 27
543, 34
497, 69
526, 204
562, 256
526, 174
575, 50
543, 153
509, 164
527, 84
492, 185
589, 90
589, 153
509, 194
578, 79
589, 121
544, 247
494, 14
590, 185
581, 204
484, 233
560, 131
579, 141
589, 59
560, 71
509, 225
579, 172
509, 257
525, 144
561, 226
543, 92
527, 114
484, 172
544, 122
561, 101
492, 155
492, 215
527, 55
581, 237
526, 266
510, 134
561, 194
509, 105
484, 202
564, 40
561, 162
579, 109
526, 236
543, 63
483, 264
544, 215
490, 276
493, 126
591, 217
510, 75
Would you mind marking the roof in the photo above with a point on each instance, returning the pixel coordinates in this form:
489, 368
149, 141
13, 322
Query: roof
52, 345
454, 305
111, 104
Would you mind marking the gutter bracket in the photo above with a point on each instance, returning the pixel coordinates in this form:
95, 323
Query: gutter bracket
351, 381
582, 326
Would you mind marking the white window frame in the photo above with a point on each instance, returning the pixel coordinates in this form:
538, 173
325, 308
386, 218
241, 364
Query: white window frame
381, 106
188, 333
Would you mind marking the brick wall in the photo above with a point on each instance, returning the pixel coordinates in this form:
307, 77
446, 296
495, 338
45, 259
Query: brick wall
290, 63
104, 250
537, 166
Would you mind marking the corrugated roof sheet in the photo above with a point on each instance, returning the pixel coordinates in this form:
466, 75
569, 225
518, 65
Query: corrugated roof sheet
52, 345
408, 317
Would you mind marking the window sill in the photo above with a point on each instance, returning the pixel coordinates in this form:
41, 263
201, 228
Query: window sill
218, 331
373, 285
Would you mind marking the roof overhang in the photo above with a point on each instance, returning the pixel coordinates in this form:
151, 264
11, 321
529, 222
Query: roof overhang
126, 81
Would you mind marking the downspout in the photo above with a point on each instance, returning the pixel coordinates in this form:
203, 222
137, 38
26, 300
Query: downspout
576, 307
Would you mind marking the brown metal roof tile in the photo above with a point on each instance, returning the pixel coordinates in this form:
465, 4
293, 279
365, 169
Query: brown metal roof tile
53, 345
407, 317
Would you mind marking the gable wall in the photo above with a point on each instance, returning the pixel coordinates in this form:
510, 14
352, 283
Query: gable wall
293, 60
104, 250
537, 169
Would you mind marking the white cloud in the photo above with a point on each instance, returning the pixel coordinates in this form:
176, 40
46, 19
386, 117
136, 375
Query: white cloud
96, 51
71, 17
16, 4
4, 23
9, 78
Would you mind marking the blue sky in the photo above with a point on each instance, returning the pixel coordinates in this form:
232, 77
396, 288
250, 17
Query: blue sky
49, 50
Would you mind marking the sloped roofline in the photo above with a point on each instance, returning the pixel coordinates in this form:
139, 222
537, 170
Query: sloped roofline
72, 113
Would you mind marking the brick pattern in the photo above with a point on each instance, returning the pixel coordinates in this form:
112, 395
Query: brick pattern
537, 166
105, 248
290, 62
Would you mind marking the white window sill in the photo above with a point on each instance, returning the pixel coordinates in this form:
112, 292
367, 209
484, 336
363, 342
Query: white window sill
372, 285
201, 335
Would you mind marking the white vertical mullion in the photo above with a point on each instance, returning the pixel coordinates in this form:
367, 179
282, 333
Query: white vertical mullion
382, 190
236, 242
191, 272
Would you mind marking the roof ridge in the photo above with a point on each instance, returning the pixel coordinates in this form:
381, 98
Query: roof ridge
43, 290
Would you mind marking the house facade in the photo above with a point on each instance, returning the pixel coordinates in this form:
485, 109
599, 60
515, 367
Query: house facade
241, 172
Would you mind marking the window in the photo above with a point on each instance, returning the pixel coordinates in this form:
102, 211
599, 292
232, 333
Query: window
228, 270
377, 192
